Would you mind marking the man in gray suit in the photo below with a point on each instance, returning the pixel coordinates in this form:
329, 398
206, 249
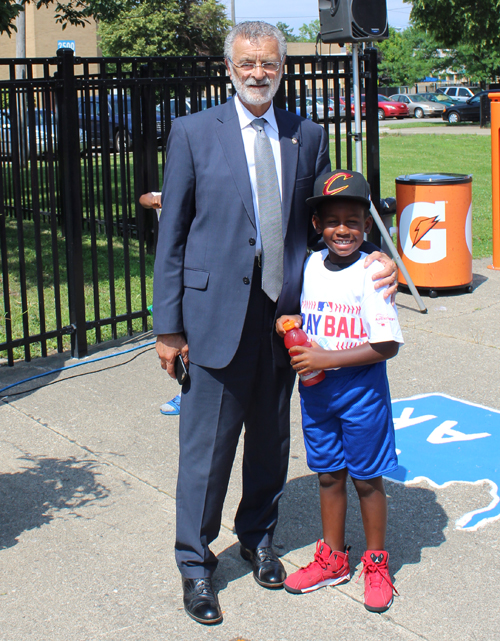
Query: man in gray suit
210, 306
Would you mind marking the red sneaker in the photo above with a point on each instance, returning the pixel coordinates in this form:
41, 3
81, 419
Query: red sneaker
328, 568
378, 584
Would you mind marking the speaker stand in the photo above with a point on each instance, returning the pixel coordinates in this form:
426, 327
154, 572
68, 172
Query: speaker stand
359, 168
358, 136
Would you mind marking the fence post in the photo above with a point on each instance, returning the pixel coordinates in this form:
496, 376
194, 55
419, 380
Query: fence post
372, 136
71, 196
495, 176
148, 180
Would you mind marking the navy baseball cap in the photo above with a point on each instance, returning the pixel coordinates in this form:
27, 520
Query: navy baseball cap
340, 183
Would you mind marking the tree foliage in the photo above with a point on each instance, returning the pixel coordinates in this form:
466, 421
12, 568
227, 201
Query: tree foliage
287, 31
470, 29
166, 28
309, 32
73, 12
139, 27
408, 56
456, 22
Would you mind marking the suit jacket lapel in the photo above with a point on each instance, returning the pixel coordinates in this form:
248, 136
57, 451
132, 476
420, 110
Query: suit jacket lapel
289, 143
229, 133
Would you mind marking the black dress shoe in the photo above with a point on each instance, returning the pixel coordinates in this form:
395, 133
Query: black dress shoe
268, 570
200, 601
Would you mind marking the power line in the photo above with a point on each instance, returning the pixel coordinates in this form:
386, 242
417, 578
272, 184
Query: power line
276, 17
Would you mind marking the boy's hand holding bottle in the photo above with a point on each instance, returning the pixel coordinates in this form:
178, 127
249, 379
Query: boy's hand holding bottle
300, 348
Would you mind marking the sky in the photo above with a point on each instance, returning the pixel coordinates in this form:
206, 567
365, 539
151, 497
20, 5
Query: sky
297, 12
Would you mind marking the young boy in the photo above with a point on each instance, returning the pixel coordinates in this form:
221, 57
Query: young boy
346, 418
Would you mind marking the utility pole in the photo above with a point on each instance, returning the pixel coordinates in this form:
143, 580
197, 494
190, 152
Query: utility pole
21, 42
233, 13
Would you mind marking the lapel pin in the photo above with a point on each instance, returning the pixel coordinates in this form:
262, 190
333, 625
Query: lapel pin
294, 141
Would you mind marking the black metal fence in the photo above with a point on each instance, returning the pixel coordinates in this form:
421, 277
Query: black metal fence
81, 140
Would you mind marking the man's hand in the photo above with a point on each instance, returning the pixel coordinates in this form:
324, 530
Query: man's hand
388, 276
167, 348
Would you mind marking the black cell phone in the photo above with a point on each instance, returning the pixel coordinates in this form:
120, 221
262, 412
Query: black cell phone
181, 372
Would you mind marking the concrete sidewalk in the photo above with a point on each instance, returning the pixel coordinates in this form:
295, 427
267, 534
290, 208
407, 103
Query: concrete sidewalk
87, 508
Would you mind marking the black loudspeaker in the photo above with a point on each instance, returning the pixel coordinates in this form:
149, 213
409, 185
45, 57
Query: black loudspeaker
353, 20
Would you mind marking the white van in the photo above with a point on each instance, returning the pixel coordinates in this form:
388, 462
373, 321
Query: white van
459, 93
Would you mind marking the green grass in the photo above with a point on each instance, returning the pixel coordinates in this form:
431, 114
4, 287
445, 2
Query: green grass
49, 287
440, 153
464, 154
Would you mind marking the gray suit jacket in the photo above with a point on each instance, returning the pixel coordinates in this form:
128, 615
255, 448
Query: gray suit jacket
206, 244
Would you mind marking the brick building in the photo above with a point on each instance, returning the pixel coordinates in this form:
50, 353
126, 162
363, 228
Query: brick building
43, 34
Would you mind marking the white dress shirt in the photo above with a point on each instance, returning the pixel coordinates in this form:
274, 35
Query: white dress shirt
248, 134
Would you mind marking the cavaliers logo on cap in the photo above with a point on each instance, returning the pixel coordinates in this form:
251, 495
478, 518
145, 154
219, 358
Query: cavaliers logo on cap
328, 190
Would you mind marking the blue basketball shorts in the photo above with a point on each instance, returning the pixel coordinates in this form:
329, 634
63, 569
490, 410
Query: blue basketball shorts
347, 422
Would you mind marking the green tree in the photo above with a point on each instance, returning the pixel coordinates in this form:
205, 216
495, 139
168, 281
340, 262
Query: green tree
309, 32
74, 12
287, 31
470, 28
408, 56
166, 28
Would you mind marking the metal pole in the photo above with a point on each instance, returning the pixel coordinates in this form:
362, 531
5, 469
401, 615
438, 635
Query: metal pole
495, 176
233, 13
385, 235
372, 135
71, 197
21, 42
357, 109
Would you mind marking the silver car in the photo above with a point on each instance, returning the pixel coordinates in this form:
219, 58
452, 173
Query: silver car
320, 109
331, 104
320, 112
418, 106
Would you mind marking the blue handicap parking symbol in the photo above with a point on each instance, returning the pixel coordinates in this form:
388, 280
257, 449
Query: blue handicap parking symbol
445, 440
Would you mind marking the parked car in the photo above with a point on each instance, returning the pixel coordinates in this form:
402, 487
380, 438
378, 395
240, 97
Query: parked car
440, 98
175, 107
320, 109
465, 111
45, 132
331, 104
119, 124
363, 106
462, 94
418, 106
388, 108
298, 111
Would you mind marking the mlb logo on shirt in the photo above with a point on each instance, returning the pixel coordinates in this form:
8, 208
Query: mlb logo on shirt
325, 307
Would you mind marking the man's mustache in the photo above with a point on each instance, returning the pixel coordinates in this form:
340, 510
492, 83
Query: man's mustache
251, 82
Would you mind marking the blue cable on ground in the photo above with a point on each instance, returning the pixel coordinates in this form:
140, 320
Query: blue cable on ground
85, 362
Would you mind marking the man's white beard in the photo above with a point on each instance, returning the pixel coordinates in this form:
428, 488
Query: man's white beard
256, 97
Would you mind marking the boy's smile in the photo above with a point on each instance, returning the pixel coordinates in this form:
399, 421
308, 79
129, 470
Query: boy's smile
343, 224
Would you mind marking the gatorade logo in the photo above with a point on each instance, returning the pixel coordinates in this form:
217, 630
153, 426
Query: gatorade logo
421, 228
327, 191
423, 233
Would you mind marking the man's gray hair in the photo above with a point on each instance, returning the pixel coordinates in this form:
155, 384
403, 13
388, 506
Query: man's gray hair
253, 31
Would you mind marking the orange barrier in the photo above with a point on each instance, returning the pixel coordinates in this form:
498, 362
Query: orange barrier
495, 176
434, 219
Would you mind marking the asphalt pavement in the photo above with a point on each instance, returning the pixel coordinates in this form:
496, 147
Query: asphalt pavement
87, 507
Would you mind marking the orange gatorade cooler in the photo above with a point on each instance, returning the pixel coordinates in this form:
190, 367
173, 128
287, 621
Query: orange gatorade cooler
434, 219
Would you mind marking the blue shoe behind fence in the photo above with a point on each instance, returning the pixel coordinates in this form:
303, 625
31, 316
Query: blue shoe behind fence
173, 407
